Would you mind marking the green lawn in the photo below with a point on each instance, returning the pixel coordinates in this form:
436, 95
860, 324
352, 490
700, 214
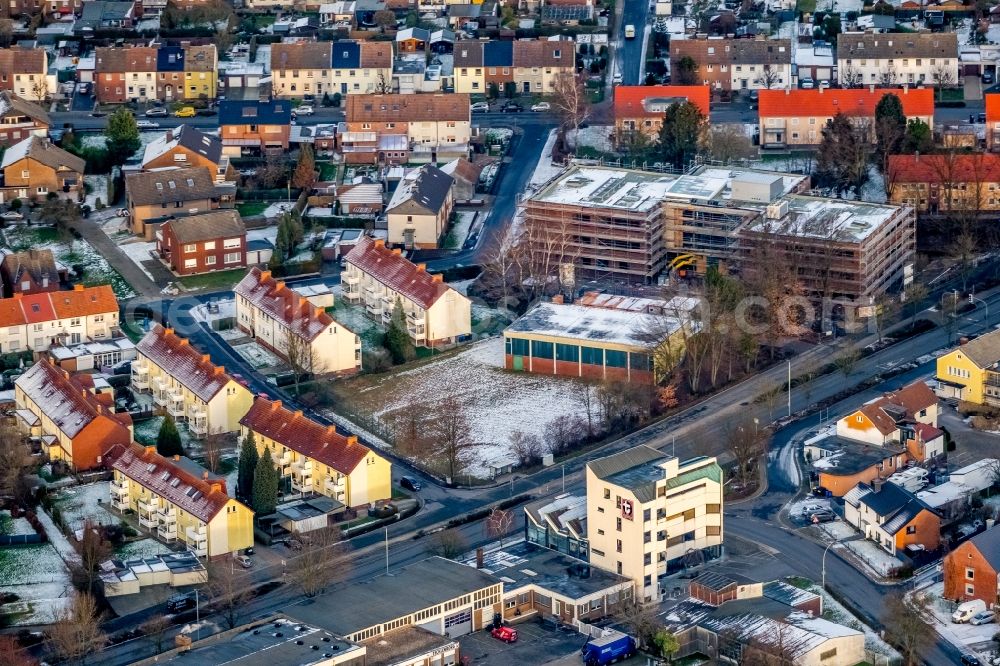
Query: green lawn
251, 208
808, 6
215, 280
327, 171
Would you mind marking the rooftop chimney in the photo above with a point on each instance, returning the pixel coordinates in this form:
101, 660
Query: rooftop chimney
204, 475
168, 331
352, 439
479, 557
396, 251
279, 285
421, 267
318, 311
331, 430
151, 449
276, 404
298, 413
77, 287
265, 275
437, 277
183, 341
18, 295
170, 135
558, 299
379, 242
216, 488
176, 457
206, 358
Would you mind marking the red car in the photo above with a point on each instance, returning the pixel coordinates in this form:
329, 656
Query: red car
505, 634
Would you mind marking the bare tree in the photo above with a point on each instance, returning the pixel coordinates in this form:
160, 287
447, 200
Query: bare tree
76, 633
729, 143
313, 570
383, 86
452, 438
6, 32
585, 394
409, 425
155, 628
12, 654
94, 550
212, 449
228, 590
916, 292
963, 251
499, 524
527, 447
447, 543
747, 443
273, 171
942, 76
301, 357
570, 102
851, 77
769, 77
15, 459
847, 361
905, 626
639, 619
887, 76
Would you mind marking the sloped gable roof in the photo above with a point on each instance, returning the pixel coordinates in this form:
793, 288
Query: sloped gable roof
184, 363
43, 151
280, 302
221, 223
984, 351
170, 185
398, 273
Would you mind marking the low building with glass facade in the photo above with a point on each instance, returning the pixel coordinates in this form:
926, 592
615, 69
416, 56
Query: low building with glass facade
558, 524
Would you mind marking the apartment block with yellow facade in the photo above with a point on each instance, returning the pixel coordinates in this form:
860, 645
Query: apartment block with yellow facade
187, 384
176, 500
435, 313
971, 372
650, 514
316, 458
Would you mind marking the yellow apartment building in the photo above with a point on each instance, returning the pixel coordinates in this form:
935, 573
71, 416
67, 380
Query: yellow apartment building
316, 458
970, 372
435, 313
176, 500
650, 514
187, 384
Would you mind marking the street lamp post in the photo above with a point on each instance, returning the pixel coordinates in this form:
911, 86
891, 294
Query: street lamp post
973, 299
824, 562
789, 387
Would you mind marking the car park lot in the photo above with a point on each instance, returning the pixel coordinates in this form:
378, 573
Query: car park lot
536, 644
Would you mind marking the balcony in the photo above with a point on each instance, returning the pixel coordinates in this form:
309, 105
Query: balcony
198, 426
350, 278
175, 405
167, 513
197, 410
119, 490
196, 536
332, 487
374, 307
167, 531
302, 484
386, 315
284, 460
119, 503
152, 505
150, 523
302, 466
416, 331
140, 377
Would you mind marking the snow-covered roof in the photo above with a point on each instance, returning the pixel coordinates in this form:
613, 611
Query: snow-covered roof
946, 493
596, 325
799, 634
819, 217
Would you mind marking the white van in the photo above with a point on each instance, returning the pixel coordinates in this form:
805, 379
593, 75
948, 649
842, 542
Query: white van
965, 611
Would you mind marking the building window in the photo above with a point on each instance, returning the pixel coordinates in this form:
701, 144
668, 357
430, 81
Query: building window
615, 359
190, 263
210, 260
970, 590
911, 529
970, 573
232, 257
231, 243
188, 249
569, 353
592, 355
541, 349
209, 245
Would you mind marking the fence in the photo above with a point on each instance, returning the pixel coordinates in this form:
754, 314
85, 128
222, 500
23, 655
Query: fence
20, 539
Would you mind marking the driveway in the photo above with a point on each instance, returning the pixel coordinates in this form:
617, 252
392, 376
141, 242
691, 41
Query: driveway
970, 444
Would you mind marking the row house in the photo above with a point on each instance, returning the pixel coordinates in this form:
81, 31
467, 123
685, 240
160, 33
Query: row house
35, 167
187, 146
178, 501
523, 66
971, 371
289, 325
107, 16
30, 272
396, 129
319, 68
908, 416
740, 64
435, 313
641, 108
212, 241
153, 197
165, 73
37, 321
420, 208
187, 384
76, 423
890, 59
950, 182
797, 117
24, 72
315, 458
20, 119
254, 126
892, 517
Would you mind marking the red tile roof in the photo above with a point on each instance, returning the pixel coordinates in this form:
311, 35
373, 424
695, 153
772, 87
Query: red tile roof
303, 435
651, 101
977, 167
163, 476
67, 401
913, 397
993, 108
37, 308
277, 300
183, 362
396, 272
849, 101
49, 306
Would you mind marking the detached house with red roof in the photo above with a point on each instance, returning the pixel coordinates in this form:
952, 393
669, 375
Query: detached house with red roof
76, 423
289, 325
908, 416
177, 500
36, 321
797, 117
187, 384
435, 313
316, 458
944, 183
641, 108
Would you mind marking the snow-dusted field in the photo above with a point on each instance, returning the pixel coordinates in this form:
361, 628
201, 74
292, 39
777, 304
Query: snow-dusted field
257, 356
14, 526
141, 548
91, 501
877, 559
496, 402
39, 578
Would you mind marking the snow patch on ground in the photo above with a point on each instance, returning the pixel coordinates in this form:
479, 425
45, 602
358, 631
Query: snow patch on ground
460, 231
978, 638
92, 501
276, 210
40, 579
257, 356
14, 526
141, 549
98, 186
837, 530
545, 170
835, 612
872, 554
224, 308
599, 137
139, 252
264, 233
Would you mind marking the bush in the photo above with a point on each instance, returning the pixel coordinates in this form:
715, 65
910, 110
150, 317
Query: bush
16, 204
376, 362
98, 204
336, 99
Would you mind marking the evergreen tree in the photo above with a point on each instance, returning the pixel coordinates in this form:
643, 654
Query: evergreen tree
919, 137
397, 340
680, 134
247, 467
687, 71
890, 129
305, 169
265, 485
122, 136
168, 440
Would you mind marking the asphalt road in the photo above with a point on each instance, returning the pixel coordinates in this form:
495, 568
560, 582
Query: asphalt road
629, 53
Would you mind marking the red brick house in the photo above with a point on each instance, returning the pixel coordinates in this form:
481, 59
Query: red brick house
109, 75
970, 571
202, 243
30, 272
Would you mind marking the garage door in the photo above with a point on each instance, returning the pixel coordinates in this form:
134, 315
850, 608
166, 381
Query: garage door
458, 624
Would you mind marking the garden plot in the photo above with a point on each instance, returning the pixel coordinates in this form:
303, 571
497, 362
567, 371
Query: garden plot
257, 356
92, 501
496, 402
41, 581
96, 269
147, 431
14, 526
141, 548
460, 230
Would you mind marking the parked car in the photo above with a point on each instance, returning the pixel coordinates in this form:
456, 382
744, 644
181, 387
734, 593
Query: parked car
608, 649
981, 117
185, 112
208, 112
156, 112
823, 517
966, 611
180, 602
987, 77
382, 509
505, 634
971, 660
983, 617
244, 561
304, 110
147, 124
410, 483
480, 107
12, 215
511, 107
806, 83
541, 106
83, 88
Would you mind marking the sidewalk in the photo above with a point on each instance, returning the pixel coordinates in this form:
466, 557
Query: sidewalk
58, 541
